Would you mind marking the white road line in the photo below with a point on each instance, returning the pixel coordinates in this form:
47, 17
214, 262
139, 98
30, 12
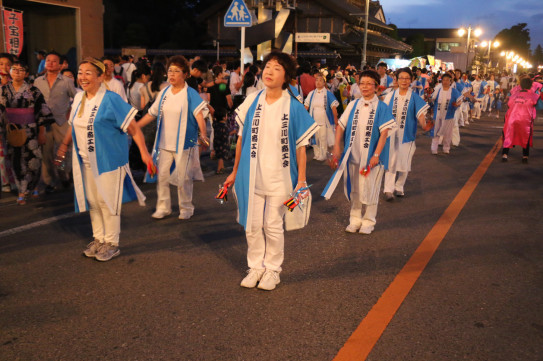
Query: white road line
47, 221
43, 222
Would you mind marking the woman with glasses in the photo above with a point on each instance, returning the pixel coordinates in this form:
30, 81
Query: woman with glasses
364, 126
179, 111
23, 106
407, 108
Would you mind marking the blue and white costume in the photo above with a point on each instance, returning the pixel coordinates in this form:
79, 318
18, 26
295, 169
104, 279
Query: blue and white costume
465, 107
444, 117
479, 93
320, 104
176, 146
363, 122
488, 101
419, 82
387, 82
102, 178
268, 173
406, 110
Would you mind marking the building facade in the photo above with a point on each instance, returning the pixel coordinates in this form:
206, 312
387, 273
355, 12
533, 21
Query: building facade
276, 23
70, 27
446, 45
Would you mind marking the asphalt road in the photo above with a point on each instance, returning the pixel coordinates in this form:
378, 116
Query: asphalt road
174, 294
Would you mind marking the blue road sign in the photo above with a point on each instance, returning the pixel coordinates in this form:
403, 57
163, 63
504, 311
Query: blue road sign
238, 15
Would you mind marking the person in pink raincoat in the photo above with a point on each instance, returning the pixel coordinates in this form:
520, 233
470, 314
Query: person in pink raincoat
519, 120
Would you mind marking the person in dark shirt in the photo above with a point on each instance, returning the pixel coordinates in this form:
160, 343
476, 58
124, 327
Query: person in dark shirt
198, 68
219, 93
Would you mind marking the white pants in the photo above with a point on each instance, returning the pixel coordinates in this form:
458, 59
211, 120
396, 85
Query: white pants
265, 235
105, 226
53, 138
364, 215
184, 191
392, 184
446, 143
456, 127
465, 113
321, 148
486, 103
477, 109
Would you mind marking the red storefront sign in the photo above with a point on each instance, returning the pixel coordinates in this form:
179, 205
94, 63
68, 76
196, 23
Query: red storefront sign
13, 31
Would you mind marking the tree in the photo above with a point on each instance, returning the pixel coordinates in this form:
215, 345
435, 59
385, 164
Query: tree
516, 38
394, 33
538, 55
417, 42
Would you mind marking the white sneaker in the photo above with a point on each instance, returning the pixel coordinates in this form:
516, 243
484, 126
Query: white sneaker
185, 214
366, 230
269, 280
352, 228
253, 276
159, 214
399, 193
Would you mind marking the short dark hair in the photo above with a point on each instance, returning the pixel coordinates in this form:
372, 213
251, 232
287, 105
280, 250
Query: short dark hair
23, 64
526, 83
447, 75
66, 70
7, 56
371, 74
234, 65
382, 64
217, 69
107, 57
180, 61
220, 113
286, 62
404, 70
55, 54
200, 65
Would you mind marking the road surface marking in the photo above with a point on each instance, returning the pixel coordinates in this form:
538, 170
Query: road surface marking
43, 222
366, 335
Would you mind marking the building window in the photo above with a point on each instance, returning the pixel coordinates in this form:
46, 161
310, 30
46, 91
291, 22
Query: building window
446, 46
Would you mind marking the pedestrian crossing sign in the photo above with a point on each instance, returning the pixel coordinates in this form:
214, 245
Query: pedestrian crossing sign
238, 15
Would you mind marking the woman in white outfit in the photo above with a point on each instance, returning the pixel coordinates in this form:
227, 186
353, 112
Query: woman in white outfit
322, 106
99, 122
364, 128
407, 108
179, 111
270, 164
446, 100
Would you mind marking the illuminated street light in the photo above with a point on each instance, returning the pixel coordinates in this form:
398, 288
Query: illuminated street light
461, 33
490, 44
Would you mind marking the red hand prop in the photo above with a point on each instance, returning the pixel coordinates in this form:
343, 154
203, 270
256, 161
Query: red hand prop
151, 168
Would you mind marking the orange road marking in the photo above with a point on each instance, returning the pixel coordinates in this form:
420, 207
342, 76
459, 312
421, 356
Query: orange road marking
366, 335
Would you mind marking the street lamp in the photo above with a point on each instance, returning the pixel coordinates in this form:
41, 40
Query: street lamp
490, 44
461, 33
